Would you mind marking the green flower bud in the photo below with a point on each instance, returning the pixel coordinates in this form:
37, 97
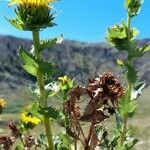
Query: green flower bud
65, 83
133, 6
33, 15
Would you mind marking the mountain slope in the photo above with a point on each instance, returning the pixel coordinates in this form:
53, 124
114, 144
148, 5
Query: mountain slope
77, 59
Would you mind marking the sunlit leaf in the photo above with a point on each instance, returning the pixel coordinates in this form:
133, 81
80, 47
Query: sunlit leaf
131, 74
49, 112
50, 43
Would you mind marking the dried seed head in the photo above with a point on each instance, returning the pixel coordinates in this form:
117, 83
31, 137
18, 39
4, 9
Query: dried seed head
29, 141
104, 92
105, 87
102, 95
6, 142
14, 130
75, 94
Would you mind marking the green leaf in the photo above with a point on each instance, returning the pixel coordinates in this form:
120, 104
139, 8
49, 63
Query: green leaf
131, 74
130, 71
50, 43
118, 37
32, 65
34, 109
14, 22
138, 52
126, 107
29, 62
31, 70
133, 50
117, 31
134, 32
145, 48
130, 143
134, 53
27, 58
19, 147
62, 141
49, 112
46, 68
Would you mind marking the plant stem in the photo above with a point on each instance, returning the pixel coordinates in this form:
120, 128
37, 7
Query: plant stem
129, 60
64, 111
36, 42
43, 98
75, 144
128, 24
20, 136
125, 118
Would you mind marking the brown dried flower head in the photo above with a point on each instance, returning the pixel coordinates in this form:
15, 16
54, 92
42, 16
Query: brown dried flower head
105, 86
6, 142
14, 130
30, 141
102, 93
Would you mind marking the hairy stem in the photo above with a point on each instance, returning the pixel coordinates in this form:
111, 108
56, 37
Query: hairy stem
125, 118
43, 99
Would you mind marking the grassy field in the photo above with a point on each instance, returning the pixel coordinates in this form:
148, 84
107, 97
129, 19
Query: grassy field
140, 123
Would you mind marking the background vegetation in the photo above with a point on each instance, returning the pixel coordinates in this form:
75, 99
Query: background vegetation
78, 59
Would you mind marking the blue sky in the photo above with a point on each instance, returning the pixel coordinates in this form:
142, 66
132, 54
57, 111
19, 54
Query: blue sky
82, 20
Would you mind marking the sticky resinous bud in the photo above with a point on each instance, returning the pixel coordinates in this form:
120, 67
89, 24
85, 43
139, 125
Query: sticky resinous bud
133, 6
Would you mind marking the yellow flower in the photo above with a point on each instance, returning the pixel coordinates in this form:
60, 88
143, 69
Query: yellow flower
120, 62
65, 83
64, 79
28, 119
2, 103
32, 15
32, 2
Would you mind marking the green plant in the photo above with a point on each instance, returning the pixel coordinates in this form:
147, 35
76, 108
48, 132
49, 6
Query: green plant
34, 15
82, 109
122, 37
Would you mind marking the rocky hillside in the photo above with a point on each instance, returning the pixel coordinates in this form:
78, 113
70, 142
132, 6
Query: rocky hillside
77, 59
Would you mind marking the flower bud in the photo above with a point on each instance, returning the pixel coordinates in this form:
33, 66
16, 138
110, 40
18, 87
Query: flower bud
118, 36
32, 15
65, 83
133, 6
